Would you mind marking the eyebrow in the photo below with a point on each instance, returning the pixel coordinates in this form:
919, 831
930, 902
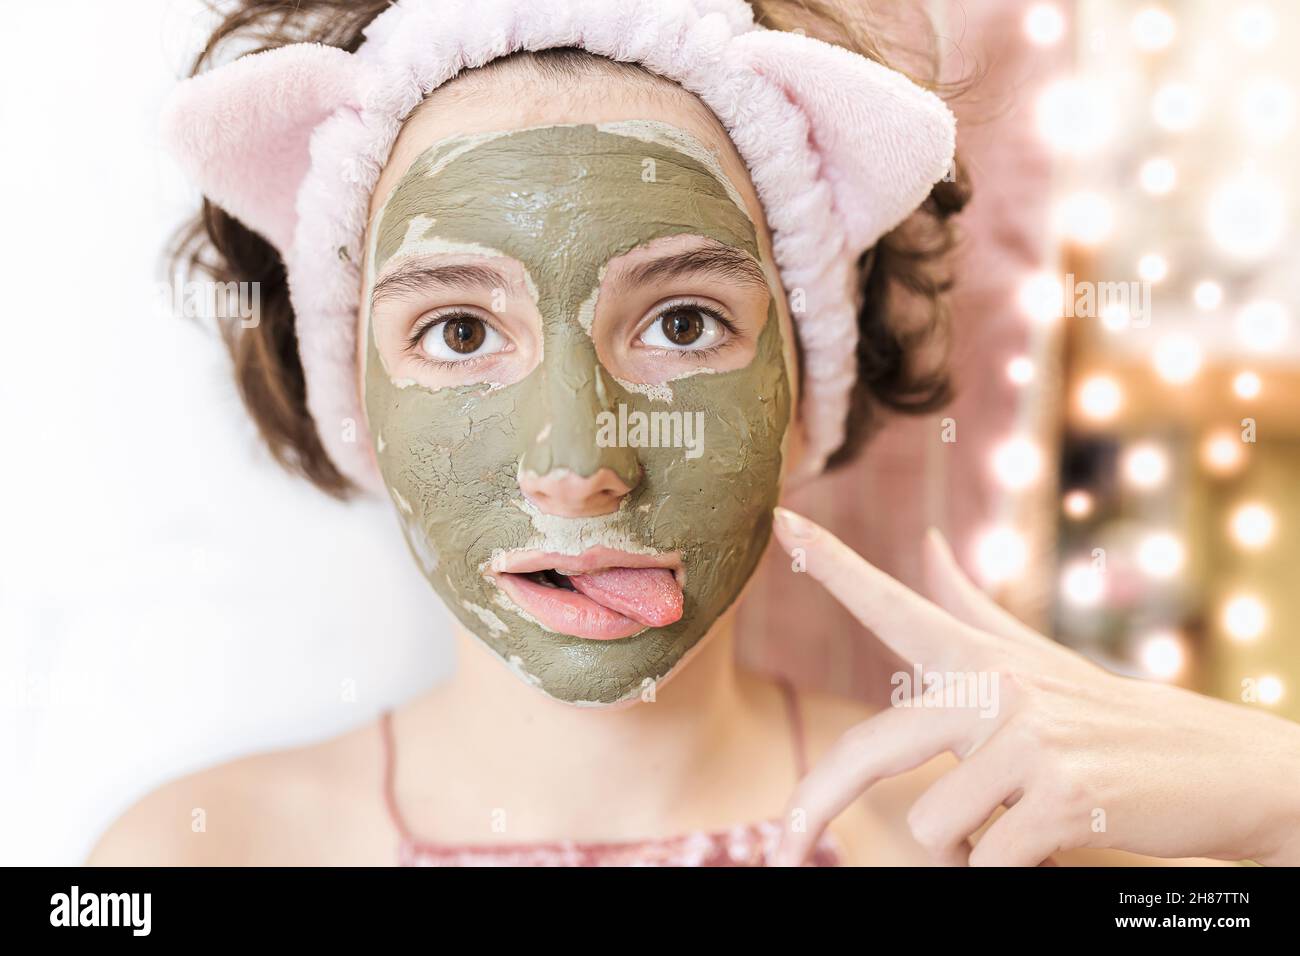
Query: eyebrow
417, 276
714, 258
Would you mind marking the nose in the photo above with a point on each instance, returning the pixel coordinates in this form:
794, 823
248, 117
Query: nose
567, 468
568, 495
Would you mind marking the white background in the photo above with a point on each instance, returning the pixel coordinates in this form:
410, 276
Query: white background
168, 598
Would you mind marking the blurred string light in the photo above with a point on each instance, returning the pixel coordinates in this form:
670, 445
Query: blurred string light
1083, 584
1254, 25
1145, 466
1044, 24
1266, 109
1153, 267
1158, 176
1269, 689
1247, 385
1017, 463
1041, 297
1262, 326
1176, 107
1160, 555
1078, 504
1244, 617
1177, 358
1116, 317
1223, 452
1245, 217
1074, 116
1252, 526
1152, 29
1000, 555
1085, 217
1208, 295
1162, 654
1100, 397
1020, 370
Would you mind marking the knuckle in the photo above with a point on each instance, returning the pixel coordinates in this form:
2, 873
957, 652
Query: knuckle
920, 824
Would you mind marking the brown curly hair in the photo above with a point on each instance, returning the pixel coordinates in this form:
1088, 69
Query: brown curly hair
902, 318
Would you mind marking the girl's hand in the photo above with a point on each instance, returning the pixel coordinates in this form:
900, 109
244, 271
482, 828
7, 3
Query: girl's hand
1081, 757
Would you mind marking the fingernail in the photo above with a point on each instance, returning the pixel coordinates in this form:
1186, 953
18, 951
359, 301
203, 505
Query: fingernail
793, 525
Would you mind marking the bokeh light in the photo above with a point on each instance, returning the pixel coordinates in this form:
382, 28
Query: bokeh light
1207, 295
1041, 297
1078, 504
1266, 109
1074, 117
1177, 358
1244, 617
1223, 452
1153, 267
1247, 385
1246, 217
1100, 397
1161, 554
1044, 24
1158, 176
1145, 466
1001, 555
1254, 25
1262, 326
1162, 654
1083, 584
1086, 218
1252, 526
1153, 29
1270, 689
1020, 370
1176, 107
1017, 463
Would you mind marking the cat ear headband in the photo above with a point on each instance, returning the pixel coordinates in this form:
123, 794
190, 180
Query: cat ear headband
291, 142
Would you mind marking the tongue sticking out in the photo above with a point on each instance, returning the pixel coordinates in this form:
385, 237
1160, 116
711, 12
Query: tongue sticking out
650, 596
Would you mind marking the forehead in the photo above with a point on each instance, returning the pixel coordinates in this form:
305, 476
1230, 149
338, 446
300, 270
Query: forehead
579, 192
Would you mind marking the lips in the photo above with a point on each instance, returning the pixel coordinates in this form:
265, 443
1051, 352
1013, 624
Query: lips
601, 594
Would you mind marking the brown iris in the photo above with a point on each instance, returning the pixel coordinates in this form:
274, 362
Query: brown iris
464, 334
682, 326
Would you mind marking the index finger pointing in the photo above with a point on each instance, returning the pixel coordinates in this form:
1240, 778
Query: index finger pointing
911, 626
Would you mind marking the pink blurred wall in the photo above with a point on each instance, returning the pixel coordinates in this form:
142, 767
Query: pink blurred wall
907, 479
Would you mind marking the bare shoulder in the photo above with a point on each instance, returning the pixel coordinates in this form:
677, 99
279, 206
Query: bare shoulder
318, 804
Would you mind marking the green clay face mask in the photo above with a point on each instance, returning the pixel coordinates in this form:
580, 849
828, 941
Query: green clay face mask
563, 201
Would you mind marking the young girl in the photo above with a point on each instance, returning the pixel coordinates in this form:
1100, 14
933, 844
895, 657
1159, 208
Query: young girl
580, 287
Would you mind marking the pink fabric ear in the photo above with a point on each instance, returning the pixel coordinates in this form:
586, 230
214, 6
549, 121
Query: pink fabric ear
883, 141
242, 131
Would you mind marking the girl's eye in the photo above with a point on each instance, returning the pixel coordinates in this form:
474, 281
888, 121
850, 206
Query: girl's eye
684, 328
457, 338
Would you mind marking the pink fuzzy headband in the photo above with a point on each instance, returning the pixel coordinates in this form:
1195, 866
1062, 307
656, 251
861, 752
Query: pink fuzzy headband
291, 142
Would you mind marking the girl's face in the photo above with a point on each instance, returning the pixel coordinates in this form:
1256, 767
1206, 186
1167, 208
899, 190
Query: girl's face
578, 382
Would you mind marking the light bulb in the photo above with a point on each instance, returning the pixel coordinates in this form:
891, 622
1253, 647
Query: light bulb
1252, 526
1162, 655
1160, 555
1000, 555
1145, 466
1153, 29
1044, 24
1158, 176
1244, 617
1100, 397
1017, 463
1247, 385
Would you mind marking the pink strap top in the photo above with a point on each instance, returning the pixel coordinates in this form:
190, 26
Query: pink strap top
745, 844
